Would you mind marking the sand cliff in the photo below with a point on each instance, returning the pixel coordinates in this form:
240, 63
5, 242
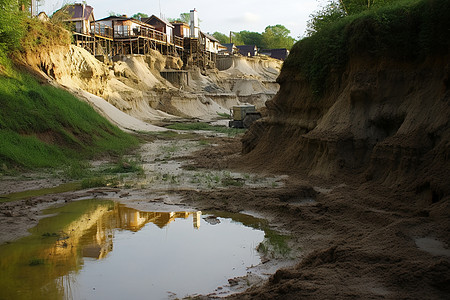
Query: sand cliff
383, 120
133, 84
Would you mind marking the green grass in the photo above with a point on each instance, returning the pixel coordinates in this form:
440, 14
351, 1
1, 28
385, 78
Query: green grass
206, 127
224, 115
405, 30
45, 127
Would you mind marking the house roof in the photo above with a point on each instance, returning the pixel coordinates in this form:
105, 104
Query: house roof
210, 37
146, 20
123, 18
247, 48
178, 23
77, 11
230, 47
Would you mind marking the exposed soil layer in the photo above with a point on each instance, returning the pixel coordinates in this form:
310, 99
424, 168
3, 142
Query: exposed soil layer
358, 239
386, 121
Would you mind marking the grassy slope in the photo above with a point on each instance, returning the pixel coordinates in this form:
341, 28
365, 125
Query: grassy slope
405, 30
43, 126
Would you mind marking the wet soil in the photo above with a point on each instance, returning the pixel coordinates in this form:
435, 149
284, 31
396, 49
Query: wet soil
351, 239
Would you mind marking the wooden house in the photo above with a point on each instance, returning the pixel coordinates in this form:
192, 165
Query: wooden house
181, 29
80, 15
248, 50
211, 44
280, 54
125, 27
161, 25
230, 49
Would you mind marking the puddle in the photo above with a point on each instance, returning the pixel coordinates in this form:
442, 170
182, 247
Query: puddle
99, 249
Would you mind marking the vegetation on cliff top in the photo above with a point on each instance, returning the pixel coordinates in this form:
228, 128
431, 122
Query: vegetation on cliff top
40, 125
401, 30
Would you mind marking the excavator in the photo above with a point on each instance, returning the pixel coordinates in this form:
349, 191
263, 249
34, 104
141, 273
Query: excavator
243, 116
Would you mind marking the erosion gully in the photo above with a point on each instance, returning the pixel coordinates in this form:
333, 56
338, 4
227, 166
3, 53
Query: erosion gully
138, 239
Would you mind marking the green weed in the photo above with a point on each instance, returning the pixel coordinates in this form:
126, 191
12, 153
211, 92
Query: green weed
206, 127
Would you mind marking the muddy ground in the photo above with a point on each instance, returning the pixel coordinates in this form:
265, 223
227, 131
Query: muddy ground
350, 239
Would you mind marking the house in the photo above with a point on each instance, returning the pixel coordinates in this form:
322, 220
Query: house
80, 15
210, 42
125, 27
230, 49
248, 50
181, 29
161, 25
280, 54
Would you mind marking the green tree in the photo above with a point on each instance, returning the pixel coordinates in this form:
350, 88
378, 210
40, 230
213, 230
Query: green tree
139, 16
334, 10
236, 38
184, 17
329, 14
277, 36
223, 38
251, 38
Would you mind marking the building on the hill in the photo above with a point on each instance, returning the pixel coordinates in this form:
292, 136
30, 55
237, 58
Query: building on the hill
181, 29
248, 50
161, 25
81, 16
210, 42
280, 54
230, 49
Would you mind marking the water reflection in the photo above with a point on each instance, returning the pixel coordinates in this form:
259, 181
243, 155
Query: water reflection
58, 260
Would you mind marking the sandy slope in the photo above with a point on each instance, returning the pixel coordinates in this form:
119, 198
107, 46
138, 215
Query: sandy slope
133, 84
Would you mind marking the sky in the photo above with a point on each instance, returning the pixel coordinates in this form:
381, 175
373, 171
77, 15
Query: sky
221, 16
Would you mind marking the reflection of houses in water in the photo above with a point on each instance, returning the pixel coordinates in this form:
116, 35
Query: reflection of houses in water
132, 219
92, 234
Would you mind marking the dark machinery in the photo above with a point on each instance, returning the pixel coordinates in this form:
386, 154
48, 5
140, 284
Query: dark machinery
243, 116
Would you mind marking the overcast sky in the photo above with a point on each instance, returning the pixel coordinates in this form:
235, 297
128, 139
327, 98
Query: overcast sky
222, 16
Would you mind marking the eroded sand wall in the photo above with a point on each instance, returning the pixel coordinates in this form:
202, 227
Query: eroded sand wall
133, 83
383, 120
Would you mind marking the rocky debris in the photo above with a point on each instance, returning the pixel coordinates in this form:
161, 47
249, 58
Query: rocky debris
213, 220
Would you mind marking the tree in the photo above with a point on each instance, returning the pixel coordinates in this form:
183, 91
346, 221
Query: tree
329, 14
337, 9
222, 38
113, 14
139, 16
277, 36
251, 38
184, 17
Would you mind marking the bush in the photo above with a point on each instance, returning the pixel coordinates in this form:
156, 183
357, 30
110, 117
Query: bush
403, 30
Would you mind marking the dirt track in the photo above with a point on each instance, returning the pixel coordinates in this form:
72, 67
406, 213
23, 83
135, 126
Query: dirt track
354, 239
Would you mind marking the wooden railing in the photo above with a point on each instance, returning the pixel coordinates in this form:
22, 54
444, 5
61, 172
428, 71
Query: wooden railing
178, 41
126, 32
102, 30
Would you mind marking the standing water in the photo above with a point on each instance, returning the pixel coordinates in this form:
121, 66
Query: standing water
99, 249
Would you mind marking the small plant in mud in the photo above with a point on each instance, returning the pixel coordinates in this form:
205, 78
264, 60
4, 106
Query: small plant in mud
274, 245
48, 234
125, 166
101, 182
207, 127
36, 262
